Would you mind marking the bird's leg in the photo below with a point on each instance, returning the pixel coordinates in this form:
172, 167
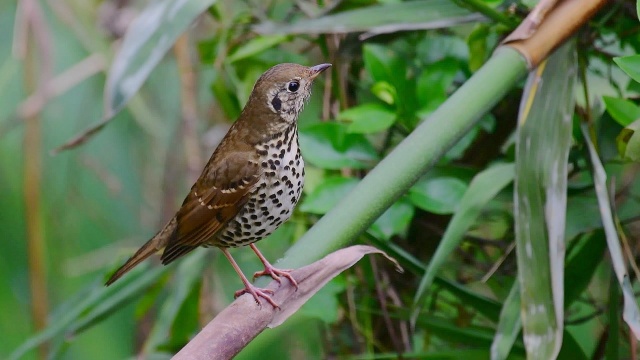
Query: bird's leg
248, 287
271, 271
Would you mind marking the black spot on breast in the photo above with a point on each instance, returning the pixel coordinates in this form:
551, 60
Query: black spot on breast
260, 232
276, 103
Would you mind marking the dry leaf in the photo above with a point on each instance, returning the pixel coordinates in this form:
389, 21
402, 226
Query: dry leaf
233, 328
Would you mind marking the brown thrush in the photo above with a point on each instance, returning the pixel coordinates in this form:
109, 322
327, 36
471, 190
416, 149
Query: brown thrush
251, 183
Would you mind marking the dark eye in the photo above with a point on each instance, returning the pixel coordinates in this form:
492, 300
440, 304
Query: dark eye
293, 86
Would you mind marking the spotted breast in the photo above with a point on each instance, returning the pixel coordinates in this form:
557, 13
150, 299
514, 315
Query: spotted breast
276, 194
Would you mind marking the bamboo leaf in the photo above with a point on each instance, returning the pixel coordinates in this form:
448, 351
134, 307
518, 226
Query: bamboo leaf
147, 40
542, 150
189, 272
630, 312
256, 46
509, 325
385, 18
98, 301
484, 186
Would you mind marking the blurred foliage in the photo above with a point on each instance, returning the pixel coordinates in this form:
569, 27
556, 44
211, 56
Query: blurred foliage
395, 63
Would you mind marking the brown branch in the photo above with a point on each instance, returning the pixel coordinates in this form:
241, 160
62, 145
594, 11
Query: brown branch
549, 25
243, 320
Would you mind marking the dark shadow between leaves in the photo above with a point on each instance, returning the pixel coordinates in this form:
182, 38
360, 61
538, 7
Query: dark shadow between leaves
233, 328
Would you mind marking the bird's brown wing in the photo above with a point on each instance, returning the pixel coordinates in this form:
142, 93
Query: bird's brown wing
215, 198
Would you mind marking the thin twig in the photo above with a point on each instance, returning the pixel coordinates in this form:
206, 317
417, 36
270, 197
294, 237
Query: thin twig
60, 84
189, 107
37, 57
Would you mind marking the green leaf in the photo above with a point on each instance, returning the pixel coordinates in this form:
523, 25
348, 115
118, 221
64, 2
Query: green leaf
628, 142
256, 46
324, 304
450, 331
94, 307
434, 82
622, 111
383, 64
330, 146
328, 194
394, 221
190, 273
582, 262
438, 195
509, 325
408, 15
630, 65
385, 92
477, 43
147, 40
484, 187
368, 118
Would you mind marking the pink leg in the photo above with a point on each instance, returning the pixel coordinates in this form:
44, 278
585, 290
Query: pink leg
248, 287
271, 271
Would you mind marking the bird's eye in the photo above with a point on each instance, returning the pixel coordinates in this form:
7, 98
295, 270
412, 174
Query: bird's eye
293, 86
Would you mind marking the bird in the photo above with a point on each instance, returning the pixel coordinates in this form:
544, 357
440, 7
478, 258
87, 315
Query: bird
250, 185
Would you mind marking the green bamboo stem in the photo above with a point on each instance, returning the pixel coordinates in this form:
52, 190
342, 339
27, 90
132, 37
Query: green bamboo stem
411, 159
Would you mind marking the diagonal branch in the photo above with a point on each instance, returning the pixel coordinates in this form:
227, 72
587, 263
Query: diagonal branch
243, 320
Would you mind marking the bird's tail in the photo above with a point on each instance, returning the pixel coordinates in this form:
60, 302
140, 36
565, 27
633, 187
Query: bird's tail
152, 246
148, 249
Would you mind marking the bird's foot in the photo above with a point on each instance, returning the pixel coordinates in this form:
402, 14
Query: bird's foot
258, 293
276, 274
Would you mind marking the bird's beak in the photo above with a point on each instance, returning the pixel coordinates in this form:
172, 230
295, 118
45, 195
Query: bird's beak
316, 70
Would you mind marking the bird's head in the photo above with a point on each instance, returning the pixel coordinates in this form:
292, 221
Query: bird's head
284, 89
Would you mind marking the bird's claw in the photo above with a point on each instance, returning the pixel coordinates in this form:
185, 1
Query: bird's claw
258, 293
276, 274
